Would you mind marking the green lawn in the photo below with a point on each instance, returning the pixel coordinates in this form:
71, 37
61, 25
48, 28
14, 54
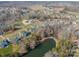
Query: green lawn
6, 51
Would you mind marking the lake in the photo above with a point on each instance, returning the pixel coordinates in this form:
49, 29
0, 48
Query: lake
40, 50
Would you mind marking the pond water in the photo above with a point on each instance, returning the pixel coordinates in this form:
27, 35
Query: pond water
40, 50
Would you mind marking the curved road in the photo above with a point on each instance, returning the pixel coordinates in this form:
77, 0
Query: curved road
49, 38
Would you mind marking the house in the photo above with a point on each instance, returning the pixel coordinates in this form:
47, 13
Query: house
26, 33
4, 43
32, 45
1, 33
76, 42
27, 22
77, 33
17, 39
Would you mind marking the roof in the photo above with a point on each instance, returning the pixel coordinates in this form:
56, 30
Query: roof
4, 43
1, 33
26, 33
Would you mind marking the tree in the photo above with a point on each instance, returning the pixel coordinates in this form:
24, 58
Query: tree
63, 48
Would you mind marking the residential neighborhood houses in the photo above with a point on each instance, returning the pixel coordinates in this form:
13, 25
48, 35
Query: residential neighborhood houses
26, 30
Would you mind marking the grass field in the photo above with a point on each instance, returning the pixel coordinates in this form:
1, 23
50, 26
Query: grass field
6, 51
